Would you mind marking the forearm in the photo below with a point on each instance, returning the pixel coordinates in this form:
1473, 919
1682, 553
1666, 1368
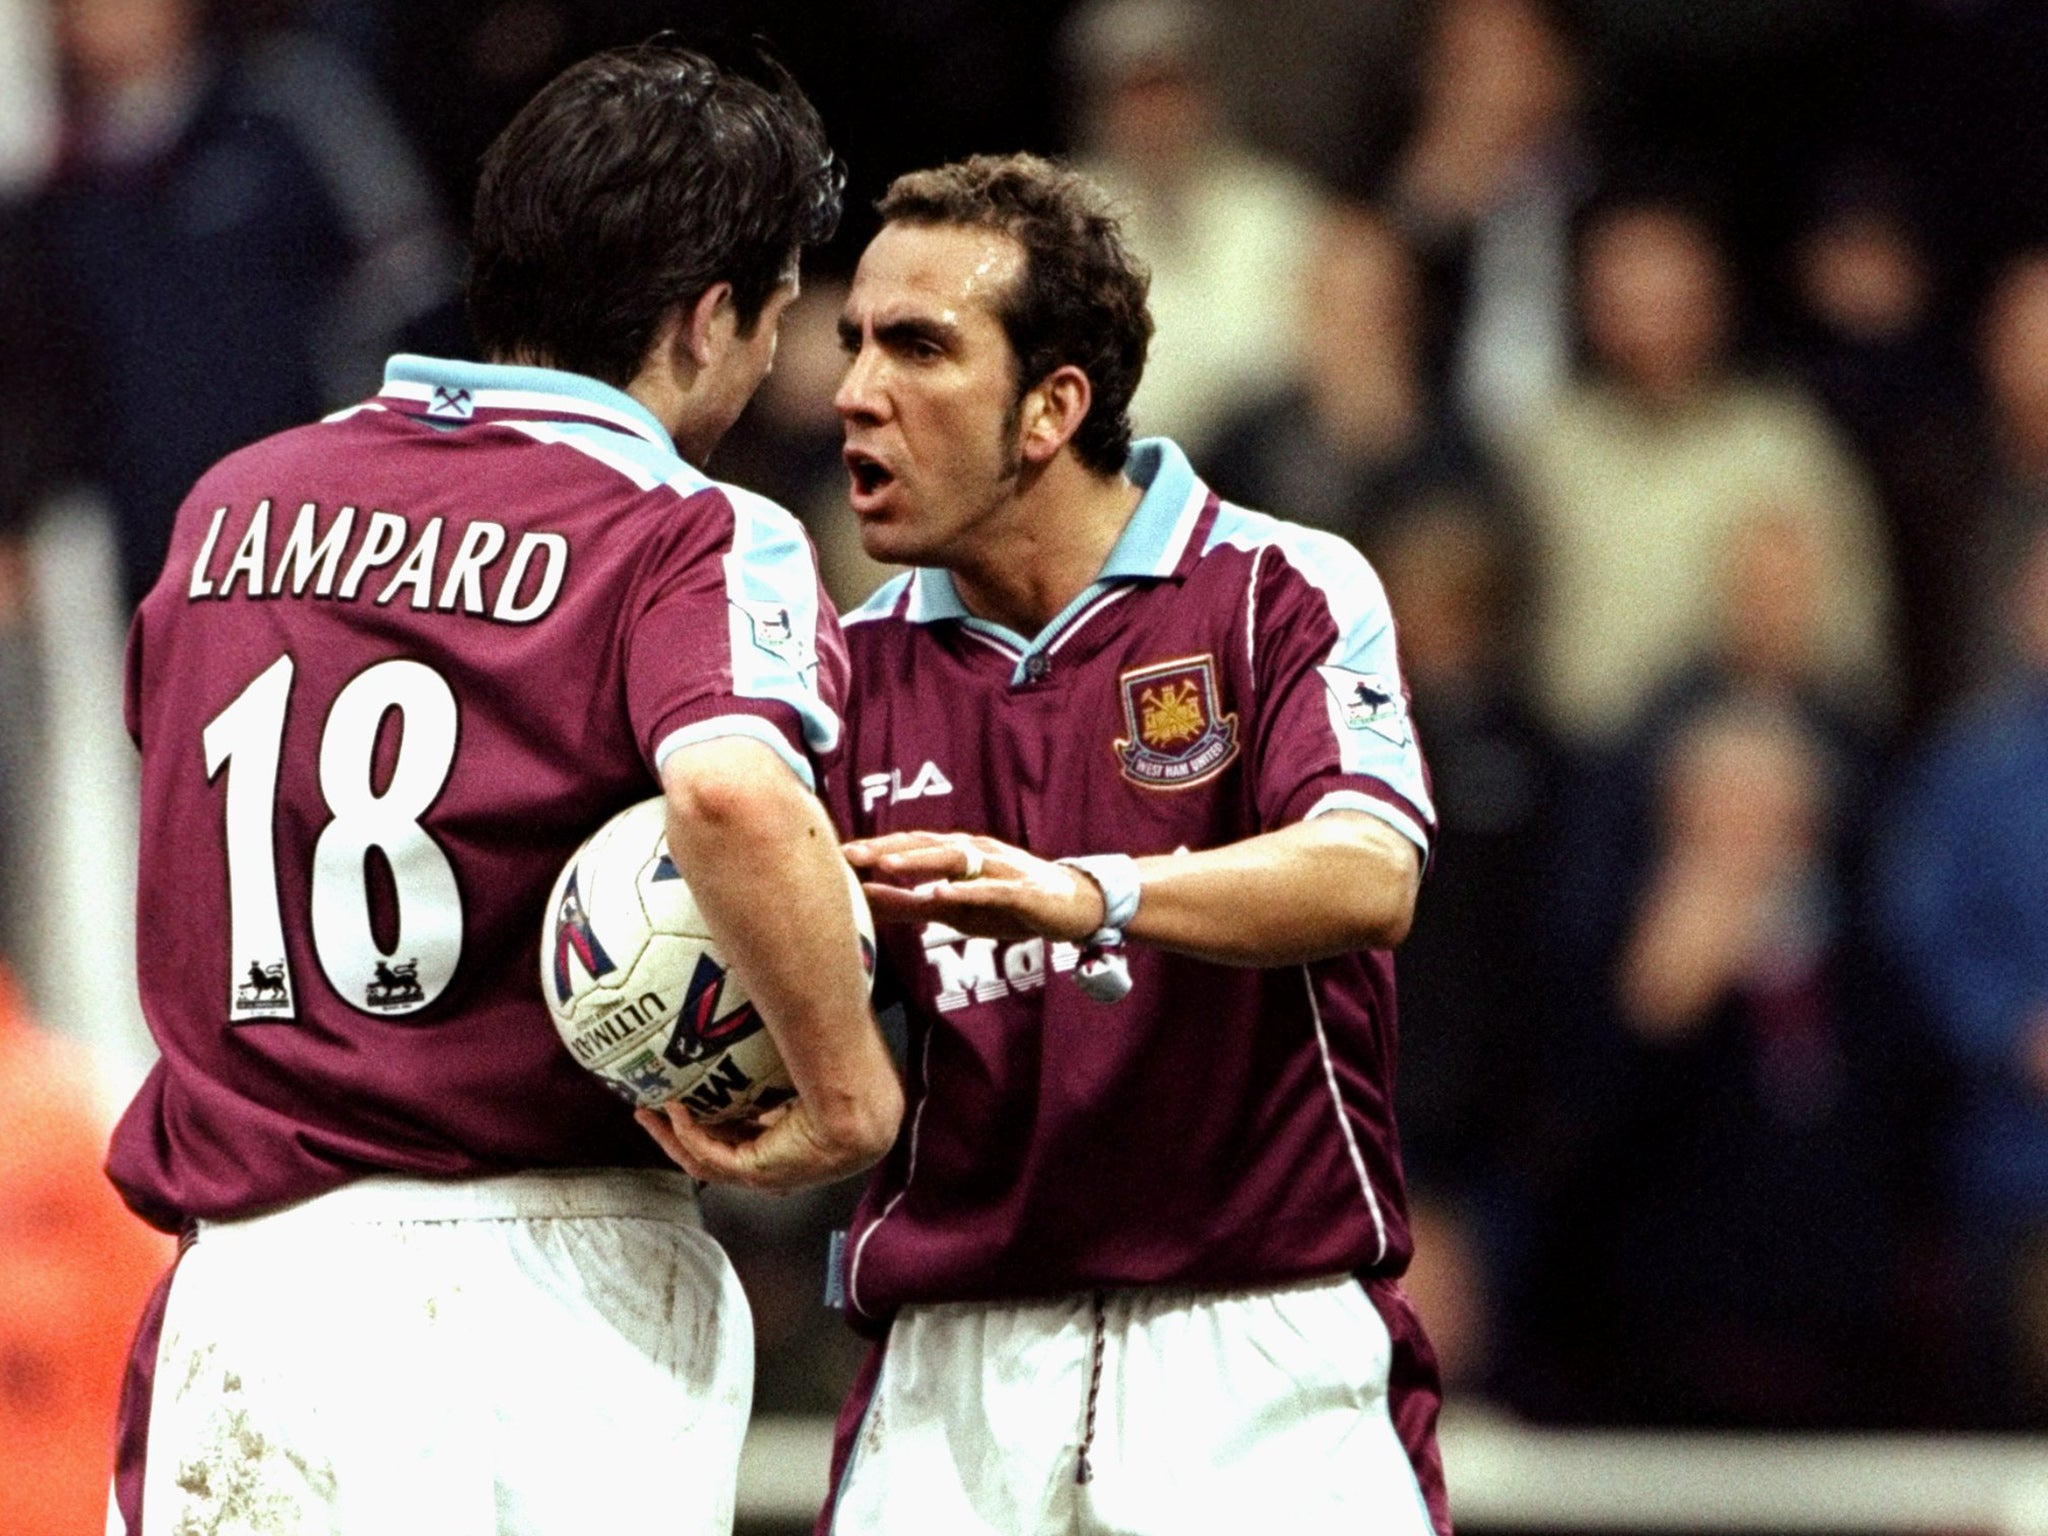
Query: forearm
1336, 883
761, 859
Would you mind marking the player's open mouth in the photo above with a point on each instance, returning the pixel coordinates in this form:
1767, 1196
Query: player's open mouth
870, 478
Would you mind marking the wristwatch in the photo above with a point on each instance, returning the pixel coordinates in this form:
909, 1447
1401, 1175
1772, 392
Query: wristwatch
1117, 875
1102, 971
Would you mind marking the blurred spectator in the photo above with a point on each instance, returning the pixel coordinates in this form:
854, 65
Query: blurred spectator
233, 238
1868, 340
27, 135
28, 112
2004, 492
1768, 586
1727, 1254
1324, 86
1960, 897
1867, 293
1771, 646
1487, 185
1736, 93
1225, 230
1363, 438
75, 1267
1950, 91
1474, 1038
1635, 477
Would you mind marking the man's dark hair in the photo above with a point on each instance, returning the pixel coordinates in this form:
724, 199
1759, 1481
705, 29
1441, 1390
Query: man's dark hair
633, 182
1081, 296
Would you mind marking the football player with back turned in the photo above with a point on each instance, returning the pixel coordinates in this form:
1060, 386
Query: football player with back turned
1131, 772
398, 665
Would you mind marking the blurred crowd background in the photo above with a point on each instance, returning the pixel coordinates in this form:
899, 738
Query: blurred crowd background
1682, 368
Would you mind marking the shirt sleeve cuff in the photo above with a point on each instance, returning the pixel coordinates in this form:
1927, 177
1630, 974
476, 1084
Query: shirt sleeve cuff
1386, 805
755, 727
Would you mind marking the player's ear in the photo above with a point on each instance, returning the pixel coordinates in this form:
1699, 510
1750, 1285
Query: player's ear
708, 324
1052, 412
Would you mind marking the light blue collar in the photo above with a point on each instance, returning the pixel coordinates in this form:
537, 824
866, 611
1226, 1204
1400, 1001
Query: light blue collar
1150, 546
505, 386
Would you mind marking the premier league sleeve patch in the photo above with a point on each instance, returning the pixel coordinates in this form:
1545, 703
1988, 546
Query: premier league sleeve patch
1178, 736
1366, 701
775, 632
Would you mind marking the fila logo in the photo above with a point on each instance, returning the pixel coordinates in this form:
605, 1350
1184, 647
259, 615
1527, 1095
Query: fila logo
874, 787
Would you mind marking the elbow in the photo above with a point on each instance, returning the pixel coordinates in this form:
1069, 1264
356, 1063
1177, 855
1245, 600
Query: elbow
1384, 880
881, 1118
1380, 918
862, 1125
726, 788
1390, 925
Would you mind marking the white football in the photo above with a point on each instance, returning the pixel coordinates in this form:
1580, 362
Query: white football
638, 991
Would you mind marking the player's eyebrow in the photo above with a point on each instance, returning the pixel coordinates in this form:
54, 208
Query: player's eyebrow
900, 333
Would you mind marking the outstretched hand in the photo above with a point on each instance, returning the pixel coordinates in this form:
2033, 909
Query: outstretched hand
975, 884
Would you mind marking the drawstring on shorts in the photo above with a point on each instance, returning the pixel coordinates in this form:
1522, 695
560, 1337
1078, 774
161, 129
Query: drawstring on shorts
1083, 1472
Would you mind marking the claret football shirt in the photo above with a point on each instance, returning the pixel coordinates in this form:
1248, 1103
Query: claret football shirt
398, 665
1228, 674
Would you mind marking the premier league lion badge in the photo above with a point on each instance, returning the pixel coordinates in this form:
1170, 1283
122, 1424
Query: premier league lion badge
1177, 735
1366, 701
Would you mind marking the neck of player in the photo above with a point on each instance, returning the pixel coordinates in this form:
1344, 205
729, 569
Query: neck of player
1045, 545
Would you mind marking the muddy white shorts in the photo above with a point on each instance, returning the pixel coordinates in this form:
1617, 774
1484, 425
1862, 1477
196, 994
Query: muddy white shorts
546, 1354
1140, 1413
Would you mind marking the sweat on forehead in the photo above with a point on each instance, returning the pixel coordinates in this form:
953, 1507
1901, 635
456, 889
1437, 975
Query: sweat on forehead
948, 262
940, 283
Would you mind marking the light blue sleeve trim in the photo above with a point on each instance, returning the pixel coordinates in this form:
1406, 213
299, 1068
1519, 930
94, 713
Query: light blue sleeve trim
1353, 800
1361, 676
771, 589
736, 725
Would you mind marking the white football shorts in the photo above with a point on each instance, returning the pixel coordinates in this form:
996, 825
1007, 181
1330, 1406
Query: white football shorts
1231, 1413
542, 1354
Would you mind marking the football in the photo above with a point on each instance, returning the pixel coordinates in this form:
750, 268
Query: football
638, 991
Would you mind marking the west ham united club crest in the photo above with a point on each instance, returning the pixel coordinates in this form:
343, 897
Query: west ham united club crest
1177, 737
